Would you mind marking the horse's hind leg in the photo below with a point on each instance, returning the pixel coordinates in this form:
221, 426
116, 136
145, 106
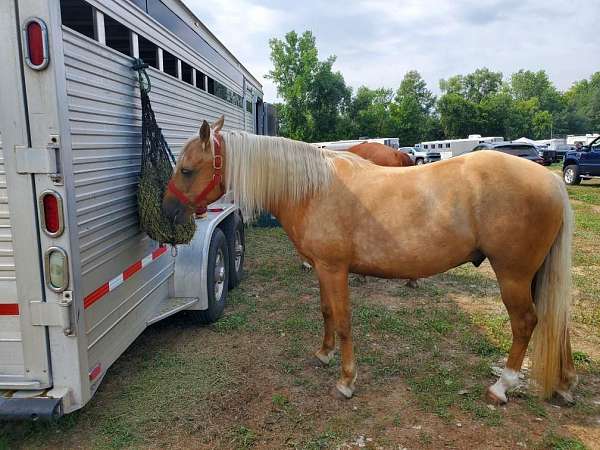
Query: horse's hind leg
333, 282
516, 295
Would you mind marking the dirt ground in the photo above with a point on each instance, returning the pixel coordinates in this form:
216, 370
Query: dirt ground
424, 355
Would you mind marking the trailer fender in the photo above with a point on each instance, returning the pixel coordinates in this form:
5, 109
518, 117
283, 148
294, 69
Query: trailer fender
191, 262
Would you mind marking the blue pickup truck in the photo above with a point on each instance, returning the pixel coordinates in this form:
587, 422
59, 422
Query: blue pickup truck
582, 164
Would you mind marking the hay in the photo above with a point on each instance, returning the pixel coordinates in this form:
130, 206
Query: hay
157, 168
152, 220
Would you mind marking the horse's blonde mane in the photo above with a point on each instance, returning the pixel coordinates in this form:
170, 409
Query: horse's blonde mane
263, 171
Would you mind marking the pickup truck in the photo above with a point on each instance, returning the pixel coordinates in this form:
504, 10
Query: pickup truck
419, 157
582, 163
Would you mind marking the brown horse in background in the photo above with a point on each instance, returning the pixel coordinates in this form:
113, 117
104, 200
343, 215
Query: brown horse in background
481, 205
382, 155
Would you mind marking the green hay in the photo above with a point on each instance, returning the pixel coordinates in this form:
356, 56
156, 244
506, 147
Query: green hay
150, 195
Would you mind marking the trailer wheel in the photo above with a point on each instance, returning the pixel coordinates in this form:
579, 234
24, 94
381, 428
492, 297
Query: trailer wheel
217, 279
237, 248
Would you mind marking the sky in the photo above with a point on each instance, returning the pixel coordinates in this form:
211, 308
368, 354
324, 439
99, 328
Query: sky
377, 41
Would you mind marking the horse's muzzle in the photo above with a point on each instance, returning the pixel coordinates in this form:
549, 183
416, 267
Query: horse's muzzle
175, 211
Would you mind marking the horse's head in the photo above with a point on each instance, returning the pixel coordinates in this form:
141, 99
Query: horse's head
197, 179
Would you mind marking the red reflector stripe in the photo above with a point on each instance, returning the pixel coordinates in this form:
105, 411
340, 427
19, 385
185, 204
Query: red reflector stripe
95, 372
132, 269
9, 309
96, 295
111, 285
159, 251
35, 41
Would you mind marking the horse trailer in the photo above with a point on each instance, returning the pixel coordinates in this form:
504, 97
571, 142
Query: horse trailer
78, 280
456, 147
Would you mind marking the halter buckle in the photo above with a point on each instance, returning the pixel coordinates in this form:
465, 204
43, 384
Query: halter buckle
218, 162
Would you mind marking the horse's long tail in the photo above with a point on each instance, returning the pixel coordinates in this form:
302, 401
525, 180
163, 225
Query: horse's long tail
551, 359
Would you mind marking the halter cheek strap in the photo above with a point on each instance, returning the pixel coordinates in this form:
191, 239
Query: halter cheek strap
216, 181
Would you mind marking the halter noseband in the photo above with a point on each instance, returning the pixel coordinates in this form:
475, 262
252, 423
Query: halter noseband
216, 181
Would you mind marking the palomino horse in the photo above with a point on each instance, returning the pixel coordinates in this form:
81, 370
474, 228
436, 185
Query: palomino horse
382, 155
344, 214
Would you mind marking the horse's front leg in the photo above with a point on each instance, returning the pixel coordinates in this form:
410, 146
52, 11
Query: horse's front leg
334, 295
325, 353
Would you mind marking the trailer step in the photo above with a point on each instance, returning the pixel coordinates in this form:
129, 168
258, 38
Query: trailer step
171, 306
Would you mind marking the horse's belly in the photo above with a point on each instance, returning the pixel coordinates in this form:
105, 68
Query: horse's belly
389, 262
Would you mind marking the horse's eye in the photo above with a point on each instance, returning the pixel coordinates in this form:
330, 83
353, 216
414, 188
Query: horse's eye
186, 172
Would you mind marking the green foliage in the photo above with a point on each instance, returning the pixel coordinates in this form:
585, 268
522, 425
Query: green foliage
319, 106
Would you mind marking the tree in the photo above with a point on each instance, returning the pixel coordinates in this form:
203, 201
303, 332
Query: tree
412, 110
369, 113
526, 85
481, 84
458, 116
474, 86
313, 94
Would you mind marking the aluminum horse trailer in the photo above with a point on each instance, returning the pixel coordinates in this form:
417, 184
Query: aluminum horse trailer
78, 280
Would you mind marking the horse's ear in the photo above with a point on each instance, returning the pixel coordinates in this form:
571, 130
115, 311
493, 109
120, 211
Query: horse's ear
205, 131
218, 124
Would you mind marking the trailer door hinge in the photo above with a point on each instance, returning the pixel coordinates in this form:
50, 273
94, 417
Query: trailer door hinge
53, 314
44, 160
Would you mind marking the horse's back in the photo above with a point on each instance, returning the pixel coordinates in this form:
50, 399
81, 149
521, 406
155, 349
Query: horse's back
380, 154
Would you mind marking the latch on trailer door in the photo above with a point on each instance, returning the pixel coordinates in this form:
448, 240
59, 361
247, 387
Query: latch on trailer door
51, 314
43, 160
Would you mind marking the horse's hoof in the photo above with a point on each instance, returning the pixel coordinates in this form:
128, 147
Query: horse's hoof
412, 284
341, 392
494, 399
306, 266
324, 359
563, 398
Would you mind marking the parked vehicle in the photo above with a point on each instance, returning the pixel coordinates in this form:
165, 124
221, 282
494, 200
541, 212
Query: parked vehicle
420, 157
79, 282
455, 147
582, 164
526, 151
547, 154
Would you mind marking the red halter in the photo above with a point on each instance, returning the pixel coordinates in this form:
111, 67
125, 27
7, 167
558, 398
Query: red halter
216, 181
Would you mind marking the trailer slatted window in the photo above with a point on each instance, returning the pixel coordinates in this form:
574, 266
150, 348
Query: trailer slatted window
118, 36
248, 106
186, 72
148, 51
211, 86
200, 81
78, 15
169, 64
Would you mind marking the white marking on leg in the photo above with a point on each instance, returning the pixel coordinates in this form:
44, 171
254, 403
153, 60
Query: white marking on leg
507, 380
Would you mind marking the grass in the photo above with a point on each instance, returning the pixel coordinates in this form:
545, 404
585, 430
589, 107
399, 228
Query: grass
249, 380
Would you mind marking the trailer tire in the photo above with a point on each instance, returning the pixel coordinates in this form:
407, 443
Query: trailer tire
237, 247
217, 279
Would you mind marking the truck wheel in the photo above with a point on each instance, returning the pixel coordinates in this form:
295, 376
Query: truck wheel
237, 247
420, 161
571, 175
217, 279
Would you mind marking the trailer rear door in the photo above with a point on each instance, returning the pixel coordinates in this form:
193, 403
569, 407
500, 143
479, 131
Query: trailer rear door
24, 362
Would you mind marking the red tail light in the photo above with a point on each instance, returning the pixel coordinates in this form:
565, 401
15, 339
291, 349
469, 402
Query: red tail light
35, 36
51, 213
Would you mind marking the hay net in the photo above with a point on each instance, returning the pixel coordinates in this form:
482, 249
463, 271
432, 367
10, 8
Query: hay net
157, 168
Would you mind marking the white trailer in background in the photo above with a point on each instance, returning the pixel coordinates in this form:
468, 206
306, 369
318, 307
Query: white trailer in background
454, 147
78, 280
346, 144
585, 139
